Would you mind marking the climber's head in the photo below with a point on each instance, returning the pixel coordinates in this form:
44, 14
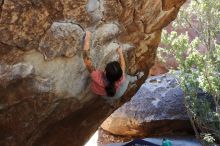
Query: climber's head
113, 73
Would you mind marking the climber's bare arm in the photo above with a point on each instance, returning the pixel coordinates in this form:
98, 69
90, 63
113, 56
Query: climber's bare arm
86, 48
122, 60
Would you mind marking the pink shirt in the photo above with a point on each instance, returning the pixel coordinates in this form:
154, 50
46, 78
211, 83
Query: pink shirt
98, 82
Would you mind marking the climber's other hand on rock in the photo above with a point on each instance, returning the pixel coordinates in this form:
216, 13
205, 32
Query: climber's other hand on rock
119, 51
87, 40
88, 34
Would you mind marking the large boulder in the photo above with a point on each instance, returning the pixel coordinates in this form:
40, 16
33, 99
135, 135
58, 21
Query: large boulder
45, 98
156, 110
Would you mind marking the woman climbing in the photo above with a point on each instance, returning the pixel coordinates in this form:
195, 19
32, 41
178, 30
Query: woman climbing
105, 83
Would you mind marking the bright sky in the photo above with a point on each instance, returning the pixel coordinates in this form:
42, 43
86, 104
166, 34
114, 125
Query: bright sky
93, 140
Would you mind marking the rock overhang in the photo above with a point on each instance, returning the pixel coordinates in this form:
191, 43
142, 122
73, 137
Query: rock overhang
47, 36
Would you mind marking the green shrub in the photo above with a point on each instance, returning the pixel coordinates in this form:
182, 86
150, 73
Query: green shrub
199, 71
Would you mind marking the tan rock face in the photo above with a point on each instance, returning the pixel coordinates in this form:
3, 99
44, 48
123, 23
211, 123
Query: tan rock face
45, 98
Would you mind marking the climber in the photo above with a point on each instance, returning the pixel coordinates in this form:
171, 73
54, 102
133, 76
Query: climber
105, 83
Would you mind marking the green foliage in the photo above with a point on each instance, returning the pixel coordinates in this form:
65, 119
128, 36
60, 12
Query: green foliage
199, 71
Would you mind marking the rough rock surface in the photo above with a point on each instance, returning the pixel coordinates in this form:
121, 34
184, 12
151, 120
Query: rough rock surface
156, 110
45, 97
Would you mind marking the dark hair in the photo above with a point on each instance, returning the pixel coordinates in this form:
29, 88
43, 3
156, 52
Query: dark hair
113, 73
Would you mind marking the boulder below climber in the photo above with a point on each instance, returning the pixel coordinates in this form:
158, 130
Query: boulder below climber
157, 109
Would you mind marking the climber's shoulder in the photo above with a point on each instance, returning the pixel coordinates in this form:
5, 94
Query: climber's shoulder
97, 75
